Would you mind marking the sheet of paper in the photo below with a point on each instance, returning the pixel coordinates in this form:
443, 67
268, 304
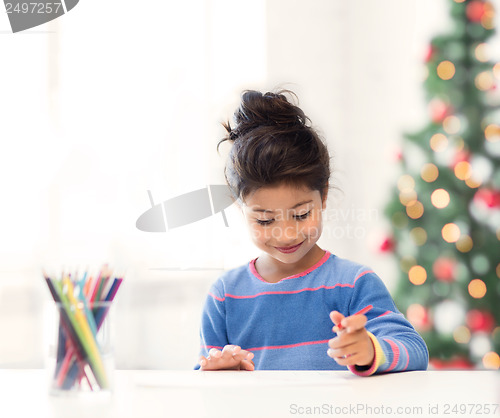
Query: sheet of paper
197, 379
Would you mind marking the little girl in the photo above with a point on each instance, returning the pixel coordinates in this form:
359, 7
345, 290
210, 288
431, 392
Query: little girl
294, 306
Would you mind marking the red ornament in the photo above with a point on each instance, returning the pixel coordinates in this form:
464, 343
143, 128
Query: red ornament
454, 363
429, 54
398, 155
475, 11
386, 245
480, 320
488, 197
460, 156
439, 110
444, 269
418, 315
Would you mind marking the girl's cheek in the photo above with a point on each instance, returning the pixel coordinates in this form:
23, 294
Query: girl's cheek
259, 234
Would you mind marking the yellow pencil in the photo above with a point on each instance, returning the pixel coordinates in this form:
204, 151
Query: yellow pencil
88, 337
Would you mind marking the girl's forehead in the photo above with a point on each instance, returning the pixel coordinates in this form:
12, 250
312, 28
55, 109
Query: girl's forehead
281, 197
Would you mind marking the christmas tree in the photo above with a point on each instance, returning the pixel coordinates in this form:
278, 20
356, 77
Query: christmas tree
445, 209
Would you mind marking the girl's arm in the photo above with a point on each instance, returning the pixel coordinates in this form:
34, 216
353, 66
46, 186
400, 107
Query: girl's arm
396, 344
215, 352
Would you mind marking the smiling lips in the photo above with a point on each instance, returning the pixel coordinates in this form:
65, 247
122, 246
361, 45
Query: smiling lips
288, 250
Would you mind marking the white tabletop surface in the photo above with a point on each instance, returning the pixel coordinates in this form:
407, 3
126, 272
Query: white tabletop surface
151, 394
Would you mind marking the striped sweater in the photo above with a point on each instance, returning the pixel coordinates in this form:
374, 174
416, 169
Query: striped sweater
287, 325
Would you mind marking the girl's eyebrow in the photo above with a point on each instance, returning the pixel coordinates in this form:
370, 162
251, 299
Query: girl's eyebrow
294, 207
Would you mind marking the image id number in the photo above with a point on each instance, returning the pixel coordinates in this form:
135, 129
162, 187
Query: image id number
33, 8
470, 409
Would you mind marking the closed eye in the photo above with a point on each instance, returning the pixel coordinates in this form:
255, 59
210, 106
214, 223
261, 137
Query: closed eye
264, 222
302, 217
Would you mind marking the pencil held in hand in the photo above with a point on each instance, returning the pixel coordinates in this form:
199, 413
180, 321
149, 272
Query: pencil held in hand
360, 312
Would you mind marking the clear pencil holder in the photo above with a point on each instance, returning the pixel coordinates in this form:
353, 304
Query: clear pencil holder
81, 352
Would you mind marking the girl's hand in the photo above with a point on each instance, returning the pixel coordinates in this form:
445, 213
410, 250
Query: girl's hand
232, 357
352, 345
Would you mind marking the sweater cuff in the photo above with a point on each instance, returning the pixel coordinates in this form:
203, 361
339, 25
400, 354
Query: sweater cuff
378, 359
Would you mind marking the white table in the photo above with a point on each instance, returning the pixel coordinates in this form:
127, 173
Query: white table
151, 394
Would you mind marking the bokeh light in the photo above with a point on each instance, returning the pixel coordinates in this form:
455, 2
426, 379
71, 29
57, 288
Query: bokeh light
464, 244
450, 232
496, 70
399, 220
440, 198
446, 70
429, 172
407, 262
480, 264
451, 124
415, 210
417, 315
487, 21
492, 133
417, 275
408, 197
491, 360
498, 270
463, 170
477, 288
418, 235
461, 334
481, 52
439, 142
459, 144
484, 81
473, 183
406, 182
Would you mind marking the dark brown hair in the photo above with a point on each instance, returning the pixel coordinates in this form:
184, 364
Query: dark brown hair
273, 144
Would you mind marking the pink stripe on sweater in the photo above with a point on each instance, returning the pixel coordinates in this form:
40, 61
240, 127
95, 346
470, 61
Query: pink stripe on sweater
278, 347
288, 292
319, 263
395, 351
385, 313
215, 297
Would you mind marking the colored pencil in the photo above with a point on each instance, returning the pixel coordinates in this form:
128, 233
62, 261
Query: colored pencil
81, 317
360, 312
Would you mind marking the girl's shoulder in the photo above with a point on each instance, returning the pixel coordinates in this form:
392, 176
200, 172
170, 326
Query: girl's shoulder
346, 269
232, 276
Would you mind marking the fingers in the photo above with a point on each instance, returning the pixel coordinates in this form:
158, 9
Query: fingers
214, 353
202, 361
347, 360
352, 348
352, 345
349, 324
336, 317
247, 365
232, 357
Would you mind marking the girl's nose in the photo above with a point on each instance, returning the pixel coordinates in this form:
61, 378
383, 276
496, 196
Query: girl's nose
289, 234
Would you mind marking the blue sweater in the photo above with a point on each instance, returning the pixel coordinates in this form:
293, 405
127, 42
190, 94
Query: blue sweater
287, 325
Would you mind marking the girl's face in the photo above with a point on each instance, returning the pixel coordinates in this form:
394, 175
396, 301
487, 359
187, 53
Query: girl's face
284, 221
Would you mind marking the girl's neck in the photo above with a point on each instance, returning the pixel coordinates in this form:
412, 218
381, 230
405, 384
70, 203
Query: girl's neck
272, 270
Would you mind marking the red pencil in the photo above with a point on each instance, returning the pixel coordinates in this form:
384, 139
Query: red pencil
360, 312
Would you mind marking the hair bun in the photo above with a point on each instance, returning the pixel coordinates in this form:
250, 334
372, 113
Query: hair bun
269, 109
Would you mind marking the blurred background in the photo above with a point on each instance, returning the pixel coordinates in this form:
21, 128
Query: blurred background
114, 99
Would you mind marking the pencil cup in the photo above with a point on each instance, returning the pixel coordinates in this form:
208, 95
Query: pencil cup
81, 357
